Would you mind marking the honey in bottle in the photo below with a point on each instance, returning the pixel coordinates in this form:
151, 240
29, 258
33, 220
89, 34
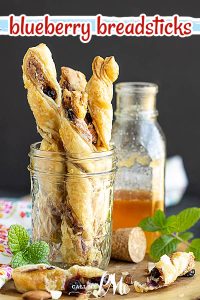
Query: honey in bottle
140, 146
130, 207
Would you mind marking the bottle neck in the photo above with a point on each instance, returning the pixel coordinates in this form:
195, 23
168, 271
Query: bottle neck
137, 115
136, 100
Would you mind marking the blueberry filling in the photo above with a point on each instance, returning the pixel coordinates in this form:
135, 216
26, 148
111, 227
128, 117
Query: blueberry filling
65, 84
155, 273
190, 273
36, 74
51, 268
71, 219
35, 71
70, 115
83, 245
154, 278
50, 92
91, 128
152, 283
75, 286
88, 118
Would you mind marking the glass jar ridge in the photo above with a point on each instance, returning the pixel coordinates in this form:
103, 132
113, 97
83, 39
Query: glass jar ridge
41, 161
72, 200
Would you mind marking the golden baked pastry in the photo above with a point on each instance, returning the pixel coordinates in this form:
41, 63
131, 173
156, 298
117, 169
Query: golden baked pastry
100, 94
166, 271
44, 92
39, 277
74, 130
87, 208
45, 277
44, 95
72, 80
79, 218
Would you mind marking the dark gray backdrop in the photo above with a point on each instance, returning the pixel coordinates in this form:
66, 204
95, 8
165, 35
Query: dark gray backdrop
173, 63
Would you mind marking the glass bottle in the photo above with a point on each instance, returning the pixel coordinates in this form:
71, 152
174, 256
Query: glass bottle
140, 146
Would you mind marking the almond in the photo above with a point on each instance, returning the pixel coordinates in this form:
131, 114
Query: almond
36, 295
122, 288
129, 279
55, 294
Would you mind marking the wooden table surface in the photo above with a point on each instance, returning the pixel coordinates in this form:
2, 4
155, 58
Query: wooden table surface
183, 288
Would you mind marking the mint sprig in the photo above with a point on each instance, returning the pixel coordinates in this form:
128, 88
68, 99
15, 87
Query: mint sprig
173, 231
37, 252
165, 244
18, 260
18, 238
25, 253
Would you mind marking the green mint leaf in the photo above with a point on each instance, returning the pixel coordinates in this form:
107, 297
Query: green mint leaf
37, 252
159, 218
23, 252
165, 244
186, 236
148, 224
155, 223
18, 238
170, 225
195, 248
18, 260
187, 218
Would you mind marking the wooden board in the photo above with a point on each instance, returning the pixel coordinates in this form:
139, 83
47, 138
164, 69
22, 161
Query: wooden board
183, 288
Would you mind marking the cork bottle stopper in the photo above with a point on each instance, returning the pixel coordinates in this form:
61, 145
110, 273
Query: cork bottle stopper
129, 244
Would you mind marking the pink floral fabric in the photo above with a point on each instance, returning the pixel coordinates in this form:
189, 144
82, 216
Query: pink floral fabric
5, 274
12, 212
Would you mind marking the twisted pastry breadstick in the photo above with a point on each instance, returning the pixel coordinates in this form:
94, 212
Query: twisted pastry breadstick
44, 93
100, 93
44, 277
74, 131
88, 201
77, 235
166, 271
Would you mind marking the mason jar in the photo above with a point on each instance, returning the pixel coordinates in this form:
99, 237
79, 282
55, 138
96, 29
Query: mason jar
140, 147
72, 199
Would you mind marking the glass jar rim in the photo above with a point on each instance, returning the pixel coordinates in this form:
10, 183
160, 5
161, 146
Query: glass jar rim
35, 148
76, 159
136, 87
